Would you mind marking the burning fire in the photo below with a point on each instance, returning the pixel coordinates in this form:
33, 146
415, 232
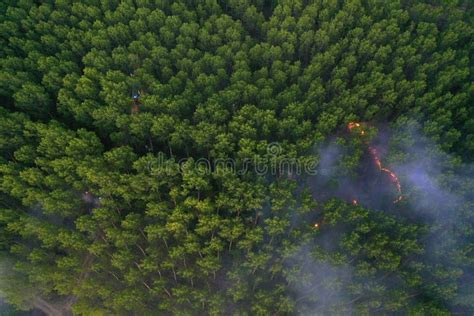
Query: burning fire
316, 225
375, 156
392, 175
355, 202
352, 125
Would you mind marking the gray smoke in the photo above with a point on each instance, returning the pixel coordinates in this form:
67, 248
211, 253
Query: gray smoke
318, 284
439, 194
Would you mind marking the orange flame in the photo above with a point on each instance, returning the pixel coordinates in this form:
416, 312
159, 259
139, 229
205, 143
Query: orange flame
392, 175
353, 125
316, 225
355, 202
375, 156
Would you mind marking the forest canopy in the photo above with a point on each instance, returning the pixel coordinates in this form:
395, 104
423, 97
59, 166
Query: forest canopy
109, 109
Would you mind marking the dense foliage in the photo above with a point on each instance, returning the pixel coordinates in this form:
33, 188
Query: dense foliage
98, 216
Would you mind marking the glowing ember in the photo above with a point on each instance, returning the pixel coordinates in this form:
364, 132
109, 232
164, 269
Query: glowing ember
401, 197
355, 202
316, 225
375, 156
393, 177
353, 125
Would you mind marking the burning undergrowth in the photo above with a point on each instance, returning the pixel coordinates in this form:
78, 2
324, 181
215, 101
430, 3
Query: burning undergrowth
351, 168
402, 183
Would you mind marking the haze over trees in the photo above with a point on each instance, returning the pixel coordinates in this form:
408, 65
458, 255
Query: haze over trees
99, 215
